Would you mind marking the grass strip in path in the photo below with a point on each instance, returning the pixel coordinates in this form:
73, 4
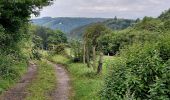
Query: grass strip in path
44, 84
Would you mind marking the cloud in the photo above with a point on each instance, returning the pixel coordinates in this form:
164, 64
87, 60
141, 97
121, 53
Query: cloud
106, 8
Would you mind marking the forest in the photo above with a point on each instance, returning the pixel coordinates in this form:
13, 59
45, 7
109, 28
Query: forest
116, 59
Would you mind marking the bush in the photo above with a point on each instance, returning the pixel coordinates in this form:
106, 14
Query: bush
76, 48
164, 46
160, 90
60, 49
140, 75
167, 25
36, 54
150, 24
112, 43
2, 36
7, 69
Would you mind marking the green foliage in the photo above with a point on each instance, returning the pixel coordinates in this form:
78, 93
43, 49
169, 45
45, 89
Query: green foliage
37, 41
36, 54
113, 42
57, 41
149, 29
165, 15
164, 45
93, 32
15, 14
7, 69
106, 43
14, 37
137, 75
57, 37
10, 71
43, 34
118, 24
113, 24
59, 49
47, 39
149, 24
60, 59
167, 25
91, 44
142, 70
2, 36
76, 50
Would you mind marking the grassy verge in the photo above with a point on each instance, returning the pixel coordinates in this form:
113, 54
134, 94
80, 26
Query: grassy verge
8, 82
44, 83
86, 84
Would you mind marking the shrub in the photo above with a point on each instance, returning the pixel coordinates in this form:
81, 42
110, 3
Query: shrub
150, 24
36, 54
167, 25
140, 75
76, 48
60, 49
7, 69
161, 88
164, 46
112, 43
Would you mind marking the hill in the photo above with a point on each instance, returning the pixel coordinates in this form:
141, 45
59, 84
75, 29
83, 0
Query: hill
114, 24
65, 24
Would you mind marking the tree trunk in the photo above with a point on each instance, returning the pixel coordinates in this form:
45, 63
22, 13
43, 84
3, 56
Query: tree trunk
53, 46
94, 57
87, 57
84, 53
70, 52
99, 69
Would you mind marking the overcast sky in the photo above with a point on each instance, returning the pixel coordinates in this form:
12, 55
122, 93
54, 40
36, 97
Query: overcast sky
106, 8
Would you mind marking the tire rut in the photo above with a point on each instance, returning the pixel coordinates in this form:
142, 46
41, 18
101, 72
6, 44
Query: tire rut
18, 92
62, 91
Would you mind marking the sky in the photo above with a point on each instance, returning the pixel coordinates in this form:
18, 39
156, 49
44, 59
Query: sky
130, 9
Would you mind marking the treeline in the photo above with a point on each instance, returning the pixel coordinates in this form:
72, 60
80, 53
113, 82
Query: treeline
15, 41
48, 39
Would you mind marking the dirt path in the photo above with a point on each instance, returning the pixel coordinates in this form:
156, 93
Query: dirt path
63, 87
18, 92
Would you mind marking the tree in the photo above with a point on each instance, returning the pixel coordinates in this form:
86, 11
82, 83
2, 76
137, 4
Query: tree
37, 42
91, 39
57, 37
43, 32
165, 15
76, 50
15, 14
50, 38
